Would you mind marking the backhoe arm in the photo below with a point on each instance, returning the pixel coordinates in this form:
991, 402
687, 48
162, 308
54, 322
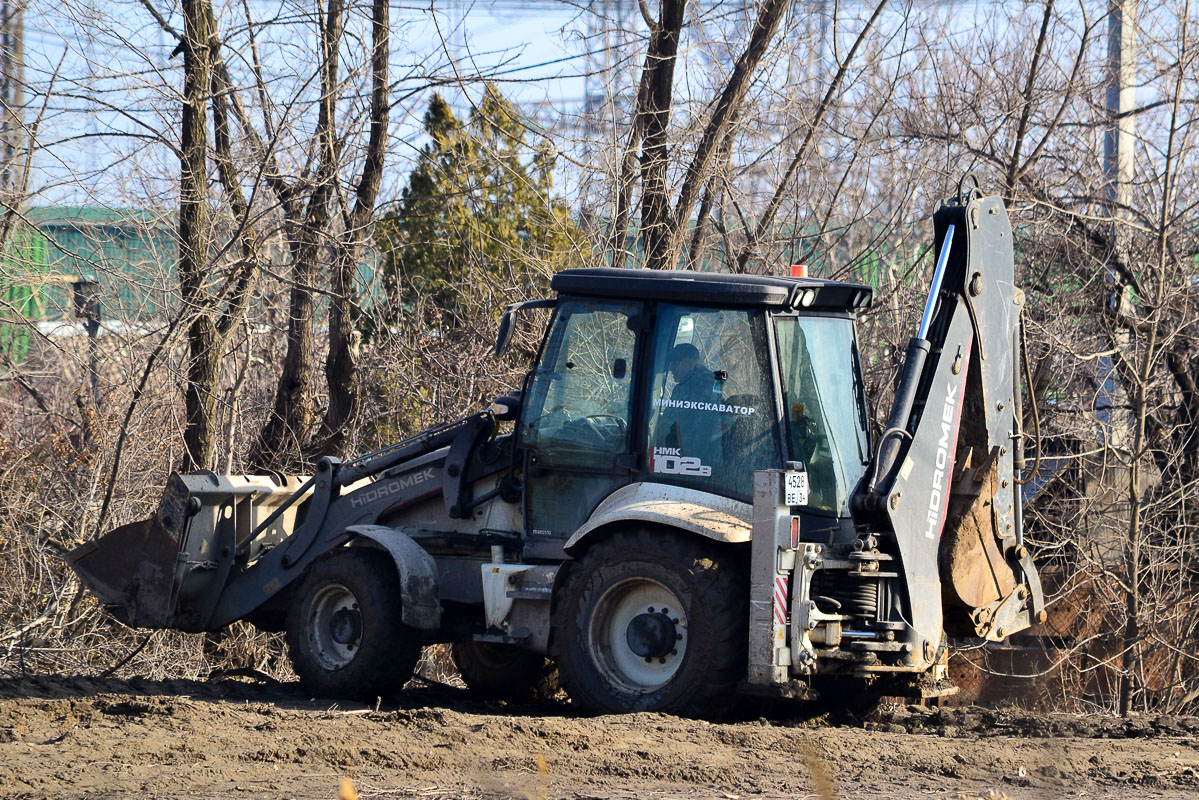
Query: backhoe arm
943, 479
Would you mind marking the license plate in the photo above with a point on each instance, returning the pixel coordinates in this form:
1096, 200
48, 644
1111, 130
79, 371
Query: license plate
795, 488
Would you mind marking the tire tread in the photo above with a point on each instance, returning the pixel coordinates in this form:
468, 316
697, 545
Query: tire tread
718, 587
383, 667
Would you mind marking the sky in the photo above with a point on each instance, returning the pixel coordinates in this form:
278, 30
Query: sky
116, 77
116, 90
105, 129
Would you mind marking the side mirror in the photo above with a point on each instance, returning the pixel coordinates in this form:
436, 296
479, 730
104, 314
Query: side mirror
504, 335
507, 407
619, 368
505, 332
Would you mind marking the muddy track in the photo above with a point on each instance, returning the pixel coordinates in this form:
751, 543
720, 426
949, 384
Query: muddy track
63, 737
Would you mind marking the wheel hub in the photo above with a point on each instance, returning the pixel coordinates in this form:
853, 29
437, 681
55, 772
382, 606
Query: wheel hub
345, 626
637, 634
651, 635
334, 626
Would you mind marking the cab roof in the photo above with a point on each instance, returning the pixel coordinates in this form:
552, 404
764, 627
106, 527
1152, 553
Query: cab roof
714, 288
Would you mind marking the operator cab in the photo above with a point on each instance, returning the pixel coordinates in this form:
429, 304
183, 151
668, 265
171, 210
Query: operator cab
691, 380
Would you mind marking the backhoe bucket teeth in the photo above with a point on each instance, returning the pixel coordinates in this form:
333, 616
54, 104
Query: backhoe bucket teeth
132, 571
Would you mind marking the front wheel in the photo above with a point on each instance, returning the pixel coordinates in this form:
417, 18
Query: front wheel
651, 621
344, 632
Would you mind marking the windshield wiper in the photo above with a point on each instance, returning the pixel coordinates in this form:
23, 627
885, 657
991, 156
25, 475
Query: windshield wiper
860, 391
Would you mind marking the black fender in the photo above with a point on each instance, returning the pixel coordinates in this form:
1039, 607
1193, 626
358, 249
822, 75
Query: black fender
417, 572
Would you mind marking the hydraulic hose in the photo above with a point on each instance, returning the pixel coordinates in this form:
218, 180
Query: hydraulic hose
1032, 398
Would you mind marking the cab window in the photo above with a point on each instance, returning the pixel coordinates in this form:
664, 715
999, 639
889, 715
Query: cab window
576, 412
824, 406
710, 415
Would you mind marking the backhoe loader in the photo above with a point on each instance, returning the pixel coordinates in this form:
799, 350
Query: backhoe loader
681, 502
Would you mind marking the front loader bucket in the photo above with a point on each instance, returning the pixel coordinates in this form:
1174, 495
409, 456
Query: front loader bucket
169, 571
132, 571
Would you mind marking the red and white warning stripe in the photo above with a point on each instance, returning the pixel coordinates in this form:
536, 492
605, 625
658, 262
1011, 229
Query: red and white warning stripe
780, 600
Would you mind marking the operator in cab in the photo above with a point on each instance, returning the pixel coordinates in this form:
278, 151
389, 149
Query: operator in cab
687, 429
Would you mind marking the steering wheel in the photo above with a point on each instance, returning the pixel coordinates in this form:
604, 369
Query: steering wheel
621, 425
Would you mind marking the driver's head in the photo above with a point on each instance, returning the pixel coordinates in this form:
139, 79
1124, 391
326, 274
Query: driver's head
682, 359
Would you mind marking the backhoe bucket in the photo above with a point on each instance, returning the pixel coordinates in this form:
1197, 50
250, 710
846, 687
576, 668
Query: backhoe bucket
168, 571
988, 577
954, 497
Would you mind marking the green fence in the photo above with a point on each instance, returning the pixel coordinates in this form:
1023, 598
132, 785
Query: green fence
22, 274
130, 253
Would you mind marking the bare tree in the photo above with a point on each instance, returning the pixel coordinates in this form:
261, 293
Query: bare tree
342, 365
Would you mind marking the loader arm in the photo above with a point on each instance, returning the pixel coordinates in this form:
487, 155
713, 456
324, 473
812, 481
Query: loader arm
943, 479
222, 546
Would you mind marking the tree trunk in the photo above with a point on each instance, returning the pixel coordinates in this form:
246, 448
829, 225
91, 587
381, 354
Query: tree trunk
655, 187
203, 369
200, 395
618, 234
1185, 469
290, 422
713, 189
663, 231
289, 428
341, 365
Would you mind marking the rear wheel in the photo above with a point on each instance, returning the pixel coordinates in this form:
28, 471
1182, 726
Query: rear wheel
651, 621
503, 672
344, 631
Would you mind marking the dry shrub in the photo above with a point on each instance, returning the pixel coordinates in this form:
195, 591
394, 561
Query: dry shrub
437, 665
57, 450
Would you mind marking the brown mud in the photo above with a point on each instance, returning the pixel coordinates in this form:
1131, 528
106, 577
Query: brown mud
64, 737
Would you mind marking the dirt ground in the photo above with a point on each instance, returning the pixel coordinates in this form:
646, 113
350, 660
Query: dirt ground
63, 737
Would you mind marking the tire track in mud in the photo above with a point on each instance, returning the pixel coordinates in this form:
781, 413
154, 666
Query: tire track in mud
67, 737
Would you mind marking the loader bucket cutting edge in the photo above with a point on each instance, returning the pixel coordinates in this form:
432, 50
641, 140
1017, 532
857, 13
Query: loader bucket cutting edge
131, 570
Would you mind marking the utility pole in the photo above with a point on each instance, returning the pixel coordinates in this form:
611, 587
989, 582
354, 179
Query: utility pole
1118, 171
12, 98
1118, 139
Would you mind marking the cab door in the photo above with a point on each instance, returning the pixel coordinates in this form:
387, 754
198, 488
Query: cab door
576, 419
709, 402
